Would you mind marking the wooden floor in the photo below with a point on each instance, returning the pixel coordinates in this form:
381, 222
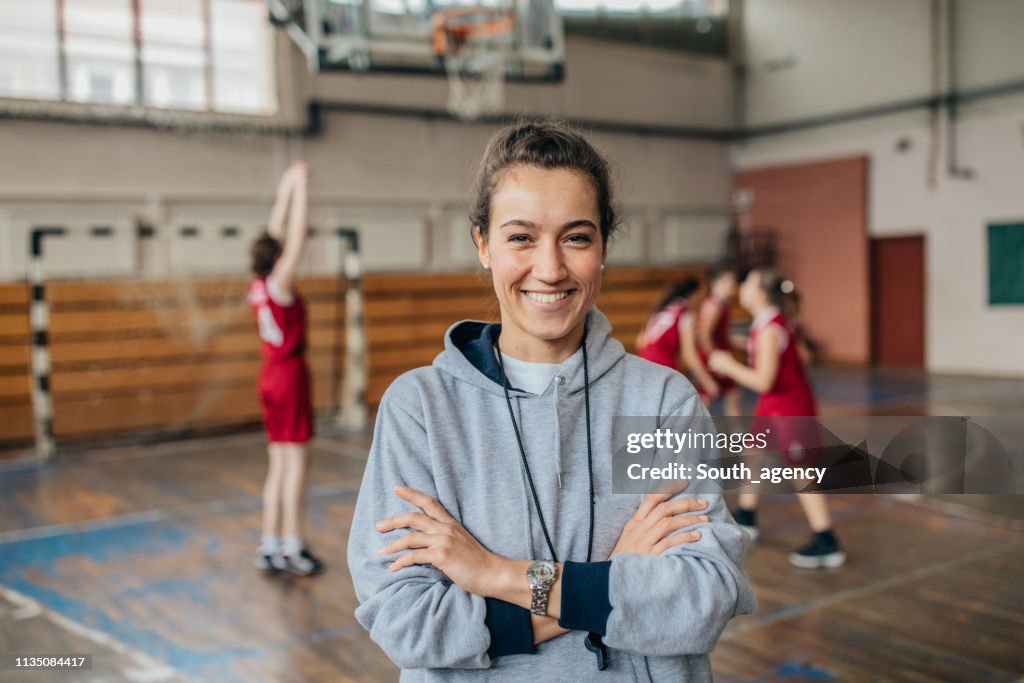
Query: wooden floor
141, 557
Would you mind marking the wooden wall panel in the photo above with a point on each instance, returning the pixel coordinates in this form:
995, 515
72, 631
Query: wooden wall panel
161, 357
15, 379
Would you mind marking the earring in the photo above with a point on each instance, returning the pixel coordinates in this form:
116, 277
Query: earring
602, 266
487, 266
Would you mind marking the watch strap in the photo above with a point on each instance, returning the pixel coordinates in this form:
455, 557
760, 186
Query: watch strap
539, 600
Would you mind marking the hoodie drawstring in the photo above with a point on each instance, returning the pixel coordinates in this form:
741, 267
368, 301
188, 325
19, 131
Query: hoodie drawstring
592, 642
526, 492
558, 431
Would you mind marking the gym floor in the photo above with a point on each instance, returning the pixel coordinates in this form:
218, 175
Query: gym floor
141, 556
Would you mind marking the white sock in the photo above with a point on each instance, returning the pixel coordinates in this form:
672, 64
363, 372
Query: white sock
291, 546
270, 544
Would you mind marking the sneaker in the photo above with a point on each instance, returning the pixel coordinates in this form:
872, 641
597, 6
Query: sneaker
822, 551
747, 519
303, 564
268, 562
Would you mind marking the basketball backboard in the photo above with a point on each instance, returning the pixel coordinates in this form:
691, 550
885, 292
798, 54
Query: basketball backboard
398, 35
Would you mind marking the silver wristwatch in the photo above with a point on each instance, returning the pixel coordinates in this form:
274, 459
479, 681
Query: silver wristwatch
542, 575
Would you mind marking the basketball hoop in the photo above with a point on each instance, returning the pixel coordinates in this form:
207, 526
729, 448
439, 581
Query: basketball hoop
474, 44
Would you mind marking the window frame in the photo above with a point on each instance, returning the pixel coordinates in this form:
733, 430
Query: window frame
689, 27
140, 108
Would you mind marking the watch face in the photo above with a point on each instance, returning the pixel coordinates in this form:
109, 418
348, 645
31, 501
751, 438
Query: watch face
541, 573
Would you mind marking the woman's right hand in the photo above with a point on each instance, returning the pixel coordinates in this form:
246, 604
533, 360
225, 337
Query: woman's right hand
650, 530
711, 388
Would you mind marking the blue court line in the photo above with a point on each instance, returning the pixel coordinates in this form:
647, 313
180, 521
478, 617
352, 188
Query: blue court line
40, 567
212, 444
338, 489
22, 463
804, 671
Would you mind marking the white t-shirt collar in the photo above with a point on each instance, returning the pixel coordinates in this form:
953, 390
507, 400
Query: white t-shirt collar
530, 376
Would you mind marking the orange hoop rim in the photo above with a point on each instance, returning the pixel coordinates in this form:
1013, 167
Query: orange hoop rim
447, 35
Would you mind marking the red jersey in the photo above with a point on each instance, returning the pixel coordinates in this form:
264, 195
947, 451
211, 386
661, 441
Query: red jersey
720, 328
285, 389
663, 335
282, 326
720, 340
791, 393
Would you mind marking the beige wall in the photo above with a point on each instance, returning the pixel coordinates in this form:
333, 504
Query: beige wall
810, 58
815, 57
406, 179
607, 82
402, 179
909, 190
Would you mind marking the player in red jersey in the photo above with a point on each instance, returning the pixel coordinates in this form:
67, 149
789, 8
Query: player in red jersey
669, 337
713, 333
284, 383
777, 372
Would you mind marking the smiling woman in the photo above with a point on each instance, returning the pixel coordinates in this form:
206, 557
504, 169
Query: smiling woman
486, 531
546, 255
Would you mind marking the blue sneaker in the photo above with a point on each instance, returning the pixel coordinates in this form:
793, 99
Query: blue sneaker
823, 551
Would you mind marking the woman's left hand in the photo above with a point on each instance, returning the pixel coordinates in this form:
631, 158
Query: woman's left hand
439, 540
720, 361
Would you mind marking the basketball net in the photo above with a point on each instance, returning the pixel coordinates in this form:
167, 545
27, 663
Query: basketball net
475, 45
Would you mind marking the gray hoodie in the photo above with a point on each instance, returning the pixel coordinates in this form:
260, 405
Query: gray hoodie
445, 430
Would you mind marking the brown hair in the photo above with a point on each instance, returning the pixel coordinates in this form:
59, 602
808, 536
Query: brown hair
771, 284
264, 252
547, 144
719, 270
682, 289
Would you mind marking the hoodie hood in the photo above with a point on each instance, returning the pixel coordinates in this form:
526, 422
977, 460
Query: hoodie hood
469, 354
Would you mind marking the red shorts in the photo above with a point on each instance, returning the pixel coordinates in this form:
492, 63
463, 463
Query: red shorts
798, 439
286, 395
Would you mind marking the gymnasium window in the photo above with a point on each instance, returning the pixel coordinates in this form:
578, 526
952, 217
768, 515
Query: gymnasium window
28, 50
193, 55
685, 25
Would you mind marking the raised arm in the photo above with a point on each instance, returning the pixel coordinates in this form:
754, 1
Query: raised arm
275, 228
295, 228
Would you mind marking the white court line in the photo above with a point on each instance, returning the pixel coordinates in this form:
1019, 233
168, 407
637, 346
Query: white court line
125, 453
341, 448
929, 396
169, 447
164, 514
950, 508
872, 588
140, 451
143, 668
137, 451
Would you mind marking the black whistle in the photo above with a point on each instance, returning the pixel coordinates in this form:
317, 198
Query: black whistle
593, 643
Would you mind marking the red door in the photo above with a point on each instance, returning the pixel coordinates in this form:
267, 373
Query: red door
897, 301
